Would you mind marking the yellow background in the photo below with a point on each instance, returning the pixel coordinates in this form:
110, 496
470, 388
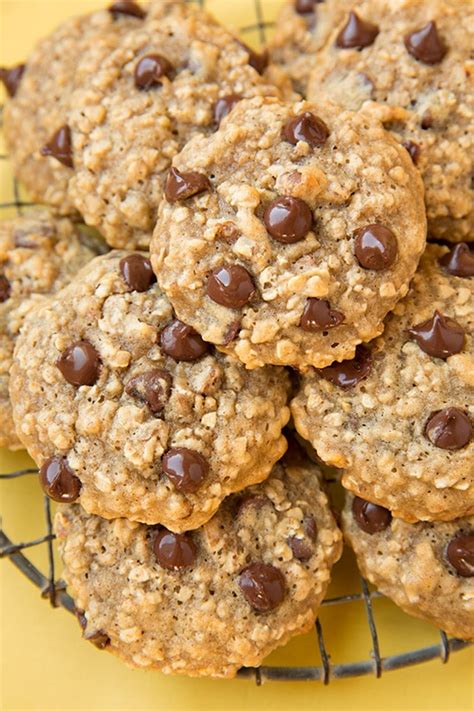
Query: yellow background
44, 663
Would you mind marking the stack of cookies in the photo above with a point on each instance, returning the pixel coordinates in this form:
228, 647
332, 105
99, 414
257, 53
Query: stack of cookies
266, 220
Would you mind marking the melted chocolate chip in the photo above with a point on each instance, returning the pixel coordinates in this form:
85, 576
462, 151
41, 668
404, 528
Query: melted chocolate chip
375, 247
174, 551
449, 429
186, 468
370, 517
263, 586
80, 364
350, 372
126, 7
59, 146
356, 33
182, 343
439, 336
256, 60
59, 481
224, 106
301, 549
230, 285
288, 219
318, 316
306, 7
153, 388
425, 44
413, 149
181, 186
426, 120
150, 71
232, 332
460, 554
306, 127
5, 289
459, 261
255, 502
137, 272
11, 77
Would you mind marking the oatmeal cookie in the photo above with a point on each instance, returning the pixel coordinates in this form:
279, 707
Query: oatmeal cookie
129, 412
288, 235
399, 417
409, 62
209, 601
427, 569
39, 255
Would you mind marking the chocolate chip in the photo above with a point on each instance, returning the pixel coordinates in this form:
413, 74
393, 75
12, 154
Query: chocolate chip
150, 71
350, 372
310, 527
232, 332
230, 285
306, 7
59, 481
11, 77
255, 502
439, 336
425, 44
126, 7
375, 247
288, 219
153, 387
174, 551
99, 638
182, 343
137, 272
459, 261
80, 364
263, 586
181, 186
318, 316
59, 146
306, 127
224, 106
413, 149
5, 289
300, 548
356, 33
426, 121
256, 60
460, 553
186, 468
371, 518
449, 429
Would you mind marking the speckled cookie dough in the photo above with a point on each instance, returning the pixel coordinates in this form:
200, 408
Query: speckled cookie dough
410, 63
288, 235
39, 255
129, 412
210, 601
399, 418
427, 569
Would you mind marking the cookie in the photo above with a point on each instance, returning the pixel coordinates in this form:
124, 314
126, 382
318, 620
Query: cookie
129, 412
427, 569
209, 601
39, 255
35, 120
409, 63
288, 235
399, 417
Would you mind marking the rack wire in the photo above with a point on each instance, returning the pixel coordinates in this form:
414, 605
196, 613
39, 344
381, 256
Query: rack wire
54, 590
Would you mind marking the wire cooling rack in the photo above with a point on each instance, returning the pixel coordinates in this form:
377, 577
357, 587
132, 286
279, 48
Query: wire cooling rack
53, 588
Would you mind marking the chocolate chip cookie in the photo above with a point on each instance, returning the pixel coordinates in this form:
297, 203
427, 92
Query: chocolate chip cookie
209, 601
287, 236
399, 418
129, 412
409, 62
425, 568
38, 256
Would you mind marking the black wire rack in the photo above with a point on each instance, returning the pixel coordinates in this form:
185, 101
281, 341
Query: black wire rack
54, 590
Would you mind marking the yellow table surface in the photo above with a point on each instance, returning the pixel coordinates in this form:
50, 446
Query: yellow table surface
44, 664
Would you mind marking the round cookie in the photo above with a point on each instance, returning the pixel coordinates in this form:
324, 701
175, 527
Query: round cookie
399, 418
36, 116
427, 569
409, 63
213, 600
307, 230
39, 255
129, 412
177, 74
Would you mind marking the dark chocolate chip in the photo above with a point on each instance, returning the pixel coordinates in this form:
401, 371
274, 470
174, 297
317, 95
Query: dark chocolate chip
224, 106
174, 551
459, 261
153, 387
11, 77
232, 332
413, 149
254, 501
137, 272
80, 364
306, 127
230, 285
59, 481
186, 468
426, 120
449, 429
301, 549
182, 343
5, 289
439, 336
319, 316
425, 44
263, 586
349, 372
150, 70
310, 527
288, 219
375, 247
59, 146
371, 518
99, 638
460, 554
181, 186
259, 61
356, 33
126, 7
